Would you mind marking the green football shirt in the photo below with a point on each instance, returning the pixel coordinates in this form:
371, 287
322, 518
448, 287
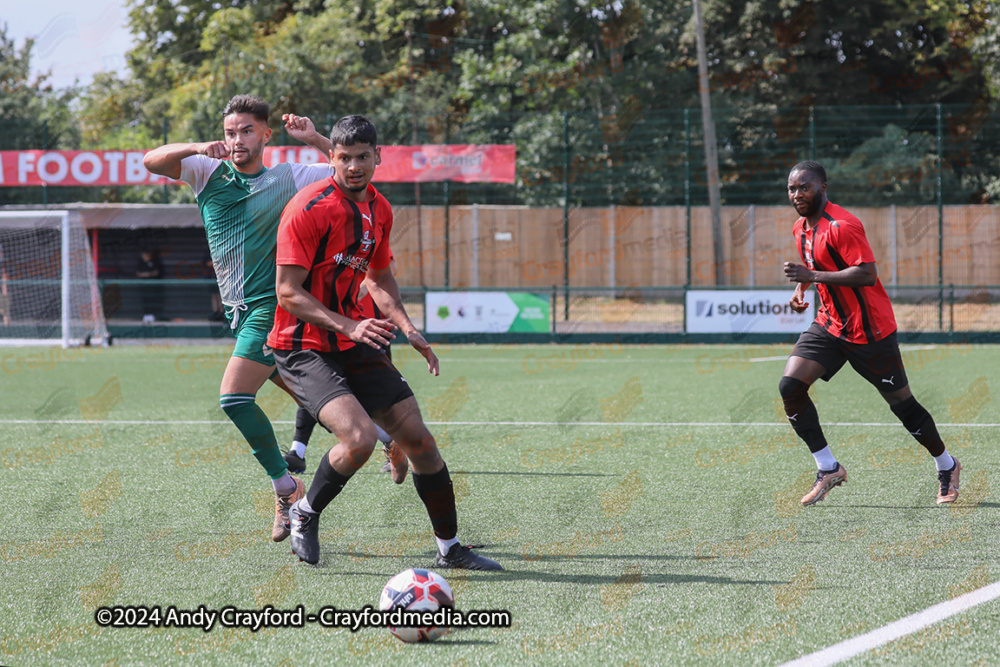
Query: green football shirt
241, 214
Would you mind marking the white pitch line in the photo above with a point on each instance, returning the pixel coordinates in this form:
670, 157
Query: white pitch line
902, 348
165, 422
904, 626
560, 359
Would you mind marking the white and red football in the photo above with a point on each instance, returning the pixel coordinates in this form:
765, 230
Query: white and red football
417, 590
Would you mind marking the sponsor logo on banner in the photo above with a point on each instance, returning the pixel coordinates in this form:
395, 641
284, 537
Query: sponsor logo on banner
743, 312
486, 312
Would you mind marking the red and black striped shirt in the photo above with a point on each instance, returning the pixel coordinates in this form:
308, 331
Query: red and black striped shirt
337, 239
836, 242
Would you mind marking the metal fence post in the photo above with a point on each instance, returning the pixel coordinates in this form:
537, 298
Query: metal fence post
566, 215
552, 310
166, 194
447, 210
940, 207
45, 146
752, 250
951, 310
687, 193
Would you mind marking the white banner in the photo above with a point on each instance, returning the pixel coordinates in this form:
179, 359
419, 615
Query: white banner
743, 312
486, 312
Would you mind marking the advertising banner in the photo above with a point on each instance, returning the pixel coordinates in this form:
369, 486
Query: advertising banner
743, 312
486, 312
400, 164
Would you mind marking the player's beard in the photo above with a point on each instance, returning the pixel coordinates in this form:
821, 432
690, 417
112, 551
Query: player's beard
811, 207
247, 157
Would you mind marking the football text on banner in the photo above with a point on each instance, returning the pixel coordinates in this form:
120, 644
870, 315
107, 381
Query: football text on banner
486, 312
462, 163
743, 312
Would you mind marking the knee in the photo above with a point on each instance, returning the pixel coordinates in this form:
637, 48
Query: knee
900, 397
792, 389
423, 449
360, 439
904, 408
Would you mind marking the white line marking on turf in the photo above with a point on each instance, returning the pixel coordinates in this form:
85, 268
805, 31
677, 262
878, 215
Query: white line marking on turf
902, 348
904, 626
561, 359
172, 422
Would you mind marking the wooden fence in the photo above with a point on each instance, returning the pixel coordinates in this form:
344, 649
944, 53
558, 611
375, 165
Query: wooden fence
507, 246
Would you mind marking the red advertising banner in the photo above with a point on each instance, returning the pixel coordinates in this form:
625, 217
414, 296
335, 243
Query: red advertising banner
400, 164
490, 163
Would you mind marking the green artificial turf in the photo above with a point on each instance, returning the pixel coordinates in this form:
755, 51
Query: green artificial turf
643, 500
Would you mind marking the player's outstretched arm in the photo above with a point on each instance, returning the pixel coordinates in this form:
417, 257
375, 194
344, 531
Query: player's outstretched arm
384, 291
302, 129
862, 275
166, 160
297, 300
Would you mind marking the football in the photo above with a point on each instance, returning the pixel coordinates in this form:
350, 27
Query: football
417, 590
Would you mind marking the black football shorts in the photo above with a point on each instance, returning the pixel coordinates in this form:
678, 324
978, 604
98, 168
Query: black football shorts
317, 377
880, 362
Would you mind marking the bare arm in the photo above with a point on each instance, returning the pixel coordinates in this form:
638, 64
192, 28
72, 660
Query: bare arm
166, 160
798, 301
862, 275
384, 291
295, 299
301, 128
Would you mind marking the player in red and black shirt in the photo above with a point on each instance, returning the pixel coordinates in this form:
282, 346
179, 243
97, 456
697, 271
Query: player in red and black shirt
855, 325
395, 461
333, 236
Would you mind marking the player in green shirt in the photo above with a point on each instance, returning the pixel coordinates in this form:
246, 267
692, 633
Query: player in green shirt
241, 203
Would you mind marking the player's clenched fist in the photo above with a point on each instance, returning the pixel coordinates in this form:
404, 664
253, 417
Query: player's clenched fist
298, 126
797, 273
214, 149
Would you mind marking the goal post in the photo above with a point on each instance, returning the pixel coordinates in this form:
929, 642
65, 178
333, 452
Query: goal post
48, 286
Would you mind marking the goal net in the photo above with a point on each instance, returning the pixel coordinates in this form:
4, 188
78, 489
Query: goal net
48, 286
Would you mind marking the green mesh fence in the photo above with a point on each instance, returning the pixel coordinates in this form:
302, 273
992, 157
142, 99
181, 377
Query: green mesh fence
905, 155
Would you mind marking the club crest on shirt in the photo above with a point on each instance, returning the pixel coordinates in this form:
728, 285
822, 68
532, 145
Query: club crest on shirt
367, 241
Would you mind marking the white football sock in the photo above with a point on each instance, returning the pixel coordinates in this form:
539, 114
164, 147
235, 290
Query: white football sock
283, 485
299, 448
824, 460
305, 506
944, 462
383, 437
445, 545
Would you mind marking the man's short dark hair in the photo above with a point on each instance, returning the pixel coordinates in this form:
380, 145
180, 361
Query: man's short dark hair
250, 104
813, 167
353, 130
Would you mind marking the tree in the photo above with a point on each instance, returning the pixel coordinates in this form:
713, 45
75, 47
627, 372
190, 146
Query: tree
986, 45
32, 113
896, 167
472, 71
